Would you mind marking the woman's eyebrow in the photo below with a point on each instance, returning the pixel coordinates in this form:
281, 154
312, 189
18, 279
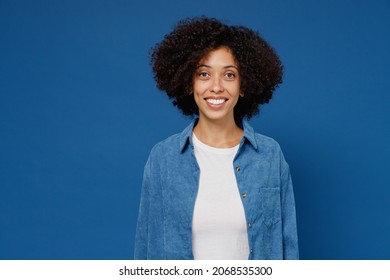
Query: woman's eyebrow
203, 65
231, 66
208, 66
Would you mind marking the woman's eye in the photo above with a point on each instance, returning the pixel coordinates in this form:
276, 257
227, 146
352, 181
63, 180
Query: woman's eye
203, 75
230, 75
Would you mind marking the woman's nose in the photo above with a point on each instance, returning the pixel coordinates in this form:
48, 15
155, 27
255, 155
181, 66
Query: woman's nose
216, 86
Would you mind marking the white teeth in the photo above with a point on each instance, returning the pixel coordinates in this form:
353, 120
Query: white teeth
215, 101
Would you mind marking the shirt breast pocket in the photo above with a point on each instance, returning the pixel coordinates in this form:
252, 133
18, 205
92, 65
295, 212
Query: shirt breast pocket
270, 205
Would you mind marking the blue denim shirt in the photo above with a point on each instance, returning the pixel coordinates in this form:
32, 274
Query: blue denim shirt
170, 184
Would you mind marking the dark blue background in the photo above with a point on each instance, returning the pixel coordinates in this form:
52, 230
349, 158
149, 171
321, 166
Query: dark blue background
79, 113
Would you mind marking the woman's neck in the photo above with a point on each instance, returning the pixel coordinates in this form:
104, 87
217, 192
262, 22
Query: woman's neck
218, 134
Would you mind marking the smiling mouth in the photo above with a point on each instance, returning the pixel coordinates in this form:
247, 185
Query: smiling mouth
215, 101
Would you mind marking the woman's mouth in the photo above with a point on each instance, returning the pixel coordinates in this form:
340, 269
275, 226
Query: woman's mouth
218, 101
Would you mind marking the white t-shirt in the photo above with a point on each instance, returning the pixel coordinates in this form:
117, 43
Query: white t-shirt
219, 225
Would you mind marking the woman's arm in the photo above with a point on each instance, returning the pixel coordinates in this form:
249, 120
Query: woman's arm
290, 236
141, 236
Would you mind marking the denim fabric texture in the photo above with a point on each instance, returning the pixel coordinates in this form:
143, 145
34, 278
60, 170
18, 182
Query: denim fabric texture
169, 189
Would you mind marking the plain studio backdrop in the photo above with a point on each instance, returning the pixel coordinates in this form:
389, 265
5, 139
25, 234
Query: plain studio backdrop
79, 113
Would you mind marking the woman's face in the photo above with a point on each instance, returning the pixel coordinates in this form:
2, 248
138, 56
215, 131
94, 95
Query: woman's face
217, 85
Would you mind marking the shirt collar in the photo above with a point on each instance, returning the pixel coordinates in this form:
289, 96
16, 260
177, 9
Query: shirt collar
186, 139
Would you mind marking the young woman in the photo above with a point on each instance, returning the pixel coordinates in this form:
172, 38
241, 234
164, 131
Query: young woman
217, 190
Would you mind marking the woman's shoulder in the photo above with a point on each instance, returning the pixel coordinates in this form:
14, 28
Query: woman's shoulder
265, 140
269, 148
174, 143
168, 143
259, 141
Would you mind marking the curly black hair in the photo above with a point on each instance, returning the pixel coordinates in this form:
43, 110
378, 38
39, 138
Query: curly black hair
176, 57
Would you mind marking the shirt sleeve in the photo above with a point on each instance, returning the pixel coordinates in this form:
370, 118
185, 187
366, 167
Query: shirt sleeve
290, 236
141, 236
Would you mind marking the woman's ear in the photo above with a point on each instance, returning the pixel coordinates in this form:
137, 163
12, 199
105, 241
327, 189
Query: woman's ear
241, 94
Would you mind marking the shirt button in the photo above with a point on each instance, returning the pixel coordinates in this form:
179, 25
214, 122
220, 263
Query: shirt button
251, 251
249, 225
244, 195
238, 169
